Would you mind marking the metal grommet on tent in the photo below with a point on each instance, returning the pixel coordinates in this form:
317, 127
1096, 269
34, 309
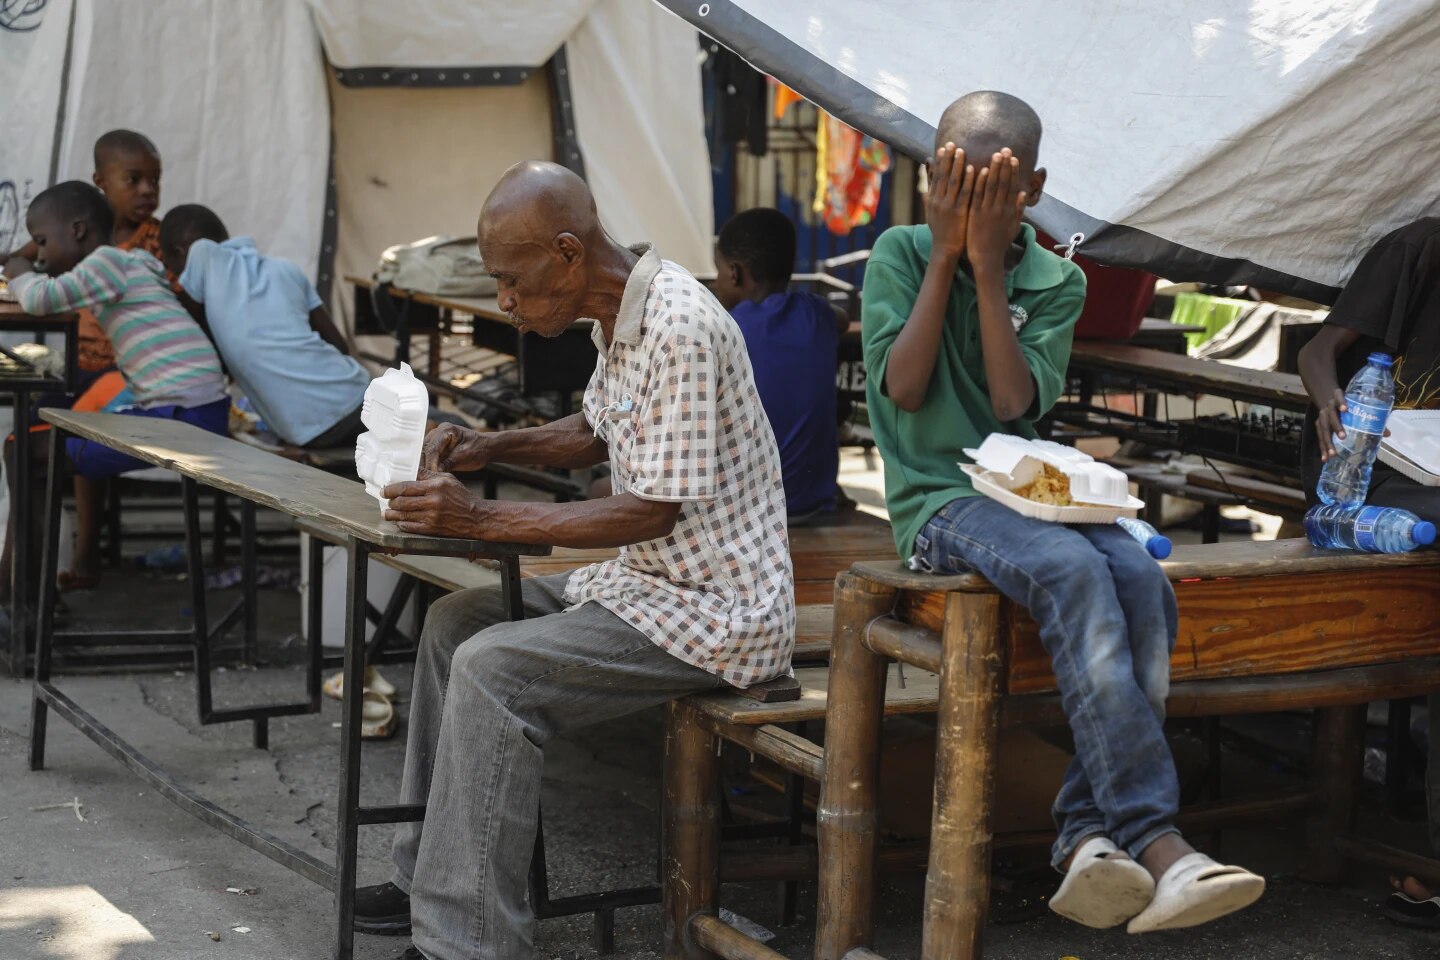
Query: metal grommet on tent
704, 10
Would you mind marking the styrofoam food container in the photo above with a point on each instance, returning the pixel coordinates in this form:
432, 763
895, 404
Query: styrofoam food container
1413, 446
1091, 483
997, 486
396, 406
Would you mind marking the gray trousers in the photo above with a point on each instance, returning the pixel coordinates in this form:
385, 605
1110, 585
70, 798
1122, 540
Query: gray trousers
487, 696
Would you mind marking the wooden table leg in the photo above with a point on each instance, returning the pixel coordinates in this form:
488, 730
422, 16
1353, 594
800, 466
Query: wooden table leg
689, 829
1337, 756
847, 815
45, 625
347, 813
957, 885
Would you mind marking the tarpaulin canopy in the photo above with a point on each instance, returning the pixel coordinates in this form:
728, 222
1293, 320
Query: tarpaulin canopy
1230, 141
426, 105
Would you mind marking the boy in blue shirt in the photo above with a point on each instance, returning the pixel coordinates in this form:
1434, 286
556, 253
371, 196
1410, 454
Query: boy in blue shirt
275, 336
793, 340
967, 325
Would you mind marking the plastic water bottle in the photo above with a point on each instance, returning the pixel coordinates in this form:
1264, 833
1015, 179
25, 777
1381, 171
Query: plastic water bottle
1371, 529
1155, 543
1345, 477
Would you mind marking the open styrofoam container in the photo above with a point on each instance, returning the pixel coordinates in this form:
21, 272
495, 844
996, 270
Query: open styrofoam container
1413, 446
395, 410
1004, 462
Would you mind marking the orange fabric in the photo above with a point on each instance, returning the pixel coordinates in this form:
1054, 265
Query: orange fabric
784, 97
93, 349
101, 392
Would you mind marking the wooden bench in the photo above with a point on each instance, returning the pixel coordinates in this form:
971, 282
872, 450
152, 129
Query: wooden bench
1264, 626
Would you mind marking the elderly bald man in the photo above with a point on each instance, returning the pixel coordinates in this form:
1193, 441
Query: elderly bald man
701, 595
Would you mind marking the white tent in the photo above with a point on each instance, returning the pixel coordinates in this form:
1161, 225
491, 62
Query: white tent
330, 129
1231, 141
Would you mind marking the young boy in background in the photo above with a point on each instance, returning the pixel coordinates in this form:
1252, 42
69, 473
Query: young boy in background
967, 326
793, 340
274, 334
1391, 304
166, 360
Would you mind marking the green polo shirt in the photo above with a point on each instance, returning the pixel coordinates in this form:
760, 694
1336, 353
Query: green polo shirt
921, 449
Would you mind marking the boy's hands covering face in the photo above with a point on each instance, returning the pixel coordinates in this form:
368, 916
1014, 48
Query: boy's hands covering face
947, 204
995, 211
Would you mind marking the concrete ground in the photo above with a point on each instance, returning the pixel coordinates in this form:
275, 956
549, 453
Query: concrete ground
131, 877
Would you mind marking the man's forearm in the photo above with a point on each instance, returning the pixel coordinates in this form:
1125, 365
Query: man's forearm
567, 443
608, 522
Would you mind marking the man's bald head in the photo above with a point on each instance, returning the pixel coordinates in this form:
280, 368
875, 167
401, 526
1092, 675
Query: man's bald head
987, 121
542, 241
536, 201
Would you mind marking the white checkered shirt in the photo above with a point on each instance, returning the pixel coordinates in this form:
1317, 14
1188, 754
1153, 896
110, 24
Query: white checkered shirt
675, 399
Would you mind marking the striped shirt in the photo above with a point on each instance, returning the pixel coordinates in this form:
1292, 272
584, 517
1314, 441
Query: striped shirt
165, 357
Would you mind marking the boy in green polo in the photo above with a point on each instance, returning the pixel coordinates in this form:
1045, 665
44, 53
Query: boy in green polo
967, 324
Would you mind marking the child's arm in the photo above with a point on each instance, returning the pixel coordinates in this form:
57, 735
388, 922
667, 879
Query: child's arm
1317, 364
99, 279
321, 323
995, 215
947, 205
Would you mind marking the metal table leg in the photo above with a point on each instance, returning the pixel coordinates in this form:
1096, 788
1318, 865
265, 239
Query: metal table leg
45, 632
348, 806
20, 586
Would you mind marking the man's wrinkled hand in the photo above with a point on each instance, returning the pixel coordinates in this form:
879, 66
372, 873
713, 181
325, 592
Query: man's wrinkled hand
438, 506
450, 448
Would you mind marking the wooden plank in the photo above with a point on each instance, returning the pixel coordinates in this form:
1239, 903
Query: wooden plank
1189, 375
1196, 561
265, 479
1272, 623
920, 694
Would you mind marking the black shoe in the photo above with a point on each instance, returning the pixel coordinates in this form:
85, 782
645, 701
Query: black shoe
383, 909
411, 954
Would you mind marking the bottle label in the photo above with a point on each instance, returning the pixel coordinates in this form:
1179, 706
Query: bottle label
1364, 417
1365, 522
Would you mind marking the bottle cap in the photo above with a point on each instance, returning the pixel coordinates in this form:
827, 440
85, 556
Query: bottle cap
1423, 533
1382, 359
1159, 547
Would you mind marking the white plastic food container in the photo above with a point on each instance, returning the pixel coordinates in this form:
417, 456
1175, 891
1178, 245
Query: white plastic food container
1413, 446
1004, 462
396, 406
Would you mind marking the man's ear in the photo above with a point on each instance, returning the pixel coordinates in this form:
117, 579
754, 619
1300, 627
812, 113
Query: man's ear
1037, 187
571, 249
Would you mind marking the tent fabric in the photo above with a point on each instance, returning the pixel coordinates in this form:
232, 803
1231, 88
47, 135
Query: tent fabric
32, 58
233, 95
445, 33
647, 162
237, 99
1235, 142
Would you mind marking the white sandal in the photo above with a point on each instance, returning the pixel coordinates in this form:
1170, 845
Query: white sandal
1100, 890
334, 686
1196, 890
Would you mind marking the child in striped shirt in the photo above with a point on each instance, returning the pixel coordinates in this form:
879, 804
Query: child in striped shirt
166, 359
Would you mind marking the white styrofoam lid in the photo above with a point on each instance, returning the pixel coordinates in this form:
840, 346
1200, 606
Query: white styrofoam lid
1090, 482
1415, 434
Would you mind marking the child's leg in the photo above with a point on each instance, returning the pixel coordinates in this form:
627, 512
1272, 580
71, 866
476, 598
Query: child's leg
1123, 782
84, 571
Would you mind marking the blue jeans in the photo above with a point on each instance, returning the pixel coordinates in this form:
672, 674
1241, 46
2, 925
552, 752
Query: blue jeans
1108, 620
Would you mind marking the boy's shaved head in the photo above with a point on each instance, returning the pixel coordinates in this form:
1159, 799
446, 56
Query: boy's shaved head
120, 142
72, 201
985, 122
189, 222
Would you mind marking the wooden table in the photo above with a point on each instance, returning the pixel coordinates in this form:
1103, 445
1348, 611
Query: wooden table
261, 478
23, 383
1185, 374
1264, 626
